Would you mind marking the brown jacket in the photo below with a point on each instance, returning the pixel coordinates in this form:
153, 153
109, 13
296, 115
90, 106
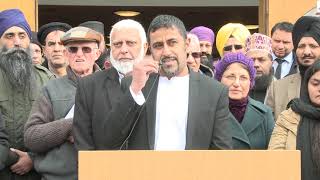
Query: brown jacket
284, 134
281, 92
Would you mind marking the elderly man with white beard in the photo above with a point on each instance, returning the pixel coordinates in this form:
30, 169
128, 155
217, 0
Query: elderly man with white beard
20, 84
97, 95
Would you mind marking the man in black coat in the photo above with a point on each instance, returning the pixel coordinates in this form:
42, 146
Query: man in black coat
173, 110
98, 94
285, 59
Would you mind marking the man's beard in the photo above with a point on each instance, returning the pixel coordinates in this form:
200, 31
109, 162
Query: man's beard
263, 82
168, 71
125, 66
302, 68
206, 59
17, 64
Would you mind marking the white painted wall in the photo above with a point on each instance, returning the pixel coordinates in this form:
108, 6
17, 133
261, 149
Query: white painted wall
151, 2
312, 12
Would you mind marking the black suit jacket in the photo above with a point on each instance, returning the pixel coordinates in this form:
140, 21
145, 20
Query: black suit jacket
96, 96
208, 123
104, 116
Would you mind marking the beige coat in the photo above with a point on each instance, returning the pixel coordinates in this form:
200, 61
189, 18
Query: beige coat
281, 92
284, 134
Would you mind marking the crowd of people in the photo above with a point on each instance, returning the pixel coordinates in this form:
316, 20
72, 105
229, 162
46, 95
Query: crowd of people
63, 91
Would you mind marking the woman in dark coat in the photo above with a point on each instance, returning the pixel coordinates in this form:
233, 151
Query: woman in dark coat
252, 121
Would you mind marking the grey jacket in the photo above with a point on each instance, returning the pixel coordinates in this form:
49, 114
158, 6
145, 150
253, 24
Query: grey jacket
47, 132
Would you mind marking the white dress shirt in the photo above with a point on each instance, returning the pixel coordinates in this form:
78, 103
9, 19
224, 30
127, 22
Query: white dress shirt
286, 65
171, 112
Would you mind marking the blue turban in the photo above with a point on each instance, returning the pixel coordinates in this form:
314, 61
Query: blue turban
13, 17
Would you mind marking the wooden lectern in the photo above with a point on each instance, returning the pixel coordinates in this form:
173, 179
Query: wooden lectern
189, 165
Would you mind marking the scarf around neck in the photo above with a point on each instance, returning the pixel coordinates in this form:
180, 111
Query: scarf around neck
238, 108
308, 138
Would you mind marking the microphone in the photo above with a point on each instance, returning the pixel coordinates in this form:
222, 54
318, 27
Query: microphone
161, 62
125, 142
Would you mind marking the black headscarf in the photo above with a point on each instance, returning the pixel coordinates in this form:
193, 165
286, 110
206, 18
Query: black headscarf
308, 136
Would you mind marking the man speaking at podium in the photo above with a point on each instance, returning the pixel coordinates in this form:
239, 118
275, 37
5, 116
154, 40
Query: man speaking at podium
166, 106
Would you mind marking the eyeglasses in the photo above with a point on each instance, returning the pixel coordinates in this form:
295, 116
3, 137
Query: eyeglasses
74, 49
229, 48
234, 78
194, 54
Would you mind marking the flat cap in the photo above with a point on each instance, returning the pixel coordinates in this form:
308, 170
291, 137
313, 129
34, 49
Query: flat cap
48, 28
81, 34
94, 25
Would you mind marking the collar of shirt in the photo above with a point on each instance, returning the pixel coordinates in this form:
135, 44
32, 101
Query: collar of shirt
120, 76
288, 58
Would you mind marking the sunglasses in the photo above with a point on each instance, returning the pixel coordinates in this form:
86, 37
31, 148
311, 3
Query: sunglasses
194, 54
229, 48
74, 49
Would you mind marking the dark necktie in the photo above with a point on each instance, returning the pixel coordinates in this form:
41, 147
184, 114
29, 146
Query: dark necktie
278, 70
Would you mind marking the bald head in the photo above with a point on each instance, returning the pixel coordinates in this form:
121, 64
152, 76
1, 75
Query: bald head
194, 52
194, 42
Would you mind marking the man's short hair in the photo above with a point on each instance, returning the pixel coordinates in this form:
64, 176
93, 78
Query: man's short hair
129, 23
283, 26
167, 21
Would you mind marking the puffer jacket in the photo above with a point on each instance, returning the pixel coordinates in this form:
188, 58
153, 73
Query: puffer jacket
284, 134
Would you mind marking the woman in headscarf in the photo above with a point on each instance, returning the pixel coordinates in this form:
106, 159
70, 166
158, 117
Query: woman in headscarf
299, 126
231, 38
252, 121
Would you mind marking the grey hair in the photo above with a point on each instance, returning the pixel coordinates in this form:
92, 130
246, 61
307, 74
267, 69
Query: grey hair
193, 38
129, 23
